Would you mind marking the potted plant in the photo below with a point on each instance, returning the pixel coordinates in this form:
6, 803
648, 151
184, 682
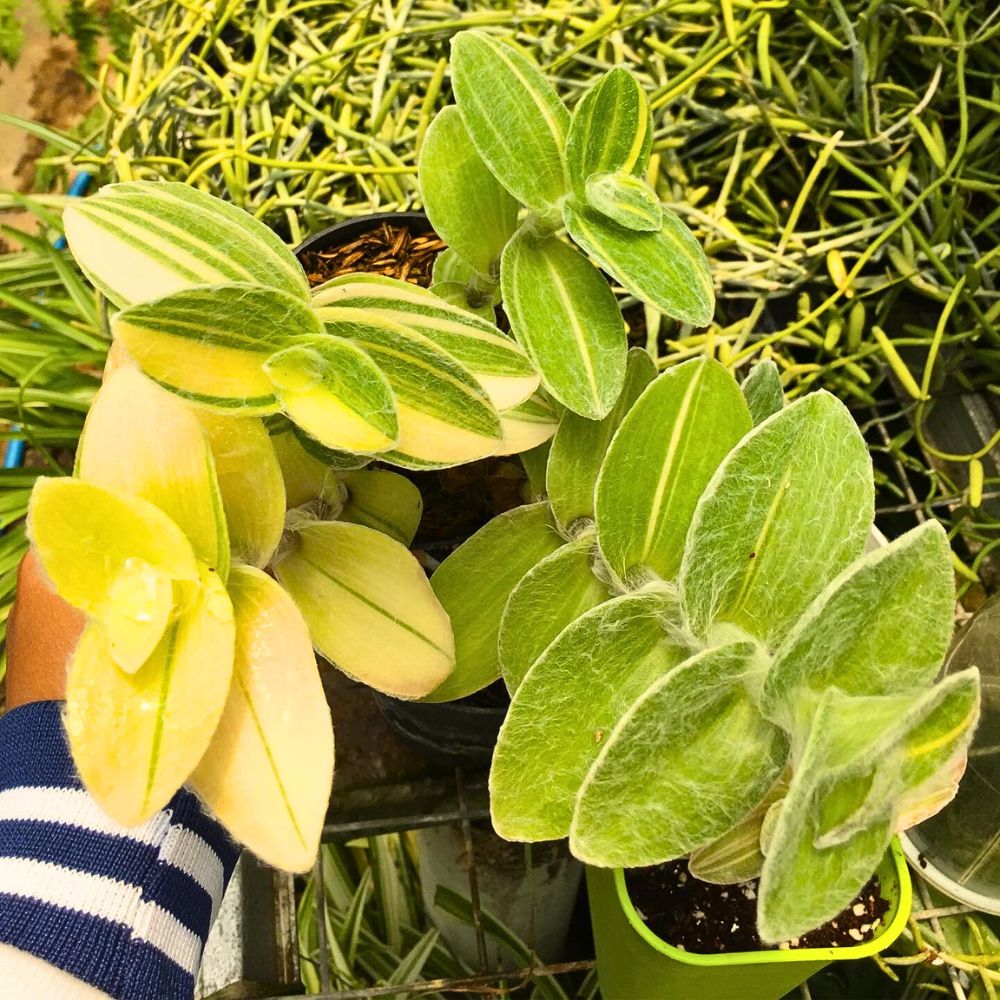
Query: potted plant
708, 668
507, 170
183, 496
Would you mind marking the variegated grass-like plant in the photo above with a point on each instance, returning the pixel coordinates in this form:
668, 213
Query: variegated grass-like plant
702, 661
510, 143
215, 308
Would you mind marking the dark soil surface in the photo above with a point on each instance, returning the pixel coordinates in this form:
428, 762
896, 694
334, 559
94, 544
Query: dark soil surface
712, 919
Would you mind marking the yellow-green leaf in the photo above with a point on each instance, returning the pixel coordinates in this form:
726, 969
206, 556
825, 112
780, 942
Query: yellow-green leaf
527, 425
626, 200
137, 737
250, 481
141, 441
369, 606
383, 500
209, 344
305, 476
267, 773
141, 240
335, 392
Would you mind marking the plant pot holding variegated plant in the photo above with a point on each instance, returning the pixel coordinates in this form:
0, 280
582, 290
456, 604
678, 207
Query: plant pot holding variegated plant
712, 685
226, 456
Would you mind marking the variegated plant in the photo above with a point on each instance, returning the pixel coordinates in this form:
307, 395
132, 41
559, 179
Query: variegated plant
214, 307
196, 665
702, 659
510, 143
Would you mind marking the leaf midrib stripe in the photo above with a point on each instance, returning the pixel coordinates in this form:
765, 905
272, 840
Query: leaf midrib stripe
161, 708
272, 763
167, 326
374, 607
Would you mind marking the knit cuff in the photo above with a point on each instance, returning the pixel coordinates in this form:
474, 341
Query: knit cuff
125, 909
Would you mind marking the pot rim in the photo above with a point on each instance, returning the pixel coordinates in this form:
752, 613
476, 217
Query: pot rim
882, 940
361, 223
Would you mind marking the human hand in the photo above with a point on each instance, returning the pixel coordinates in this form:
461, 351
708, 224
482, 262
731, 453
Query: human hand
41, 635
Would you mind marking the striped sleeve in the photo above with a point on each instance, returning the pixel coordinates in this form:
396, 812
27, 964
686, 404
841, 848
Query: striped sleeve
126, 910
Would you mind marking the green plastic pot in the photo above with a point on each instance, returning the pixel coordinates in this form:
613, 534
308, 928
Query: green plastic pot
634, 964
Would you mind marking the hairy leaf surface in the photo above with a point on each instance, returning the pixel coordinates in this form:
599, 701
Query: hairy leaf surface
611, 130
498, 362
267, 773
513, 115
563, 312
209, 344
142, 240
579, 446
627, 200
763, 392
336, 393
136, 737
687, 759
667, 268
129, 413
473, 585
369, 607
384, 501
548, 598
881, 627
662, 457
567, 704
787, 510
527, 425
468, 208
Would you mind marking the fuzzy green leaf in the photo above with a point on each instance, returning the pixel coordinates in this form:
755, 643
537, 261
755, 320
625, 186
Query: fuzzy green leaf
579, 447
864, 757
567, 704
668, 268
144, 240
563, 312
690, 756
787, 510
445, 416
455, 293
209, 344
467, 207
665, 452
611, 130
881, 627
548, 598
513, 115
626, 200
498, 362
336, 393
383, 500
473, 585
762, 388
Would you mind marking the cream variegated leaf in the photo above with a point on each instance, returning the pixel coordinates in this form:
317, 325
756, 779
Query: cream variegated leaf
468, 208
527, 425
136, 737
336, 393
455, 293
250, 482
579, 446
567, 705
627, 200
684, 763
142, 240
548, 598
473, 585
383, 500
611, 130
513, 115
267, 773
369, 607
563, 312
209, 345
498, 363
445, 416
143, 442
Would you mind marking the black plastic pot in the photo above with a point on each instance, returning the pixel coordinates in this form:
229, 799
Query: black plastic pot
459, 733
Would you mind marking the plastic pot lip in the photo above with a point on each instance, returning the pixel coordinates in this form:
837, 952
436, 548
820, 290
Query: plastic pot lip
888, 934
349, 229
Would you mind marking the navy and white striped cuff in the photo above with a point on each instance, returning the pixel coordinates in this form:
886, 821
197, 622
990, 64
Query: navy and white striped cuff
126, 910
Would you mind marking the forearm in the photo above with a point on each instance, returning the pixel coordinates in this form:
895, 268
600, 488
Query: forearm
124, 910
